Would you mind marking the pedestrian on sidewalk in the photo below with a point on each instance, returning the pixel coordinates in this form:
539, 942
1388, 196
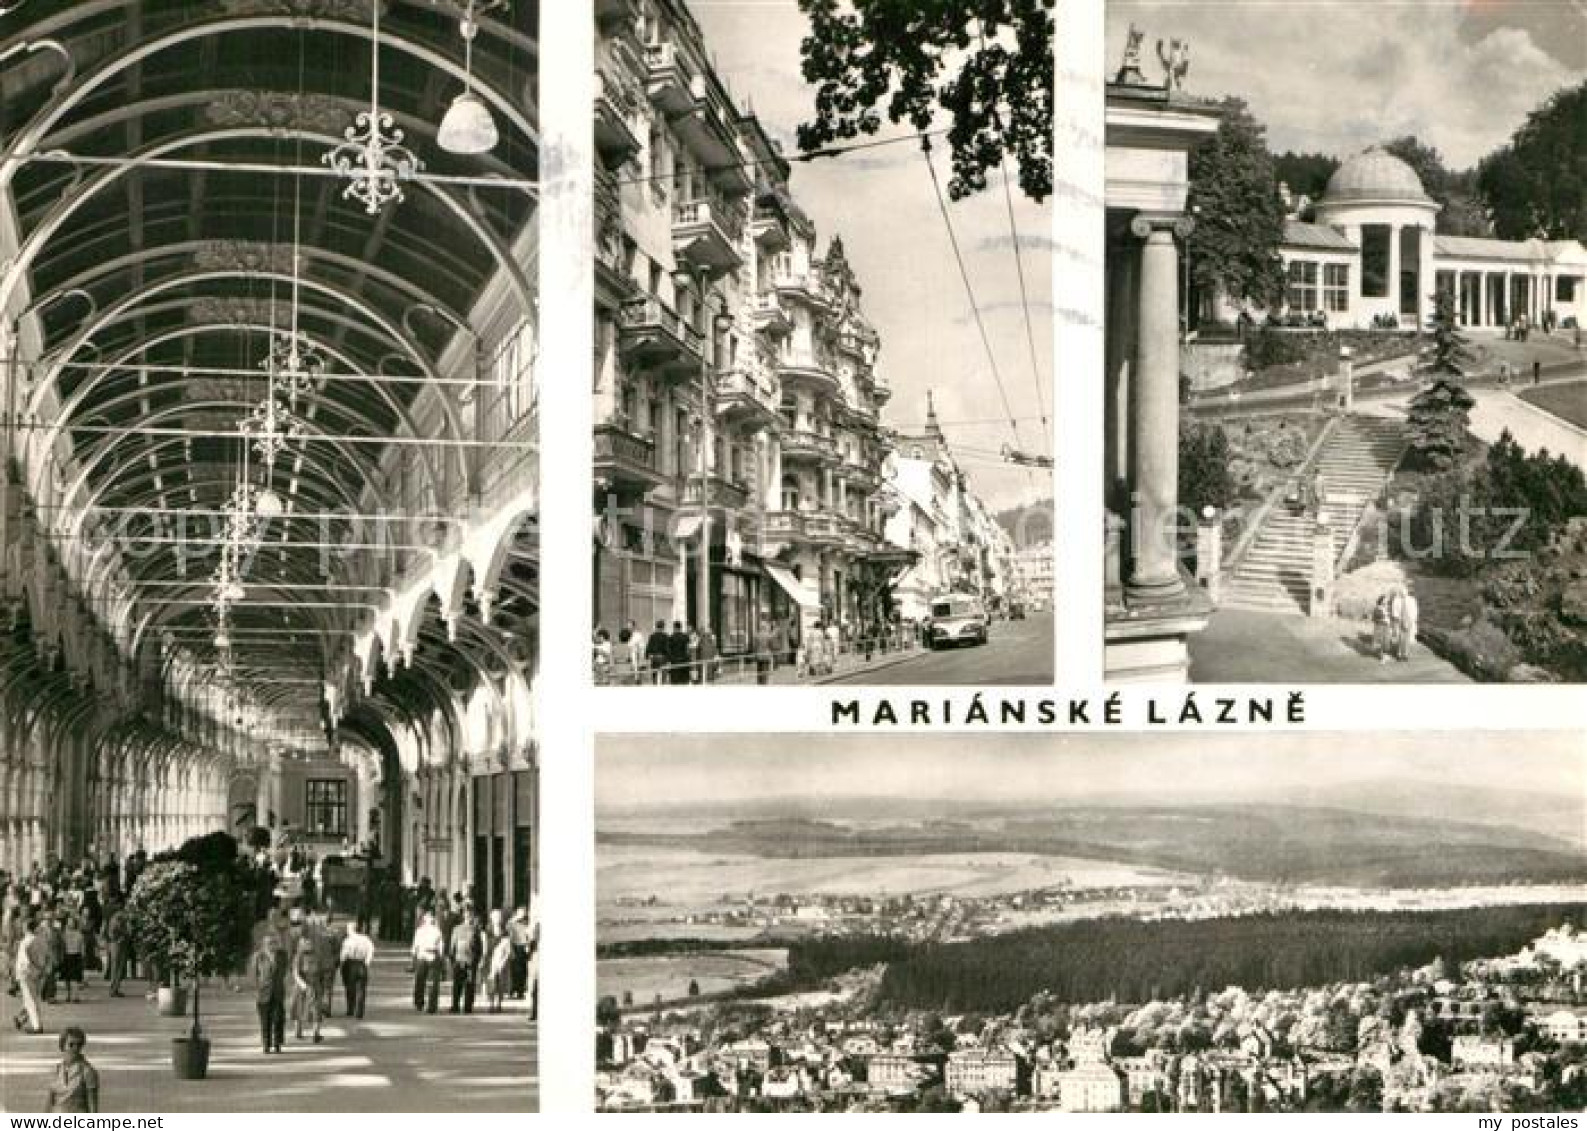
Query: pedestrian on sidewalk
306, 987
518, 937
358, 951
1537, 372
498, 977
679, 654
656, 654
75, 1085
116, 949
1409, 612
1380, 628
464, 952
269, 970
427, 949
73, 944
708, 657
29, 962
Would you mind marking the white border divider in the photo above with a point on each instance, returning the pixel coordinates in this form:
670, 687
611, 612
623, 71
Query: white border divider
1078, 217
567, 869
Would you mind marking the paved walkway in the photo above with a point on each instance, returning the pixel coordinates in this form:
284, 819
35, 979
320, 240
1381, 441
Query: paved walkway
1244, 646
1499, 409
393, 1060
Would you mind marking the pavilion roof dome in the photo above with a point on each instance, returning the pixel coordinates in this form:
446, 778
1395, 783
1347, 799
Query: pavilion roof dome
1375, 174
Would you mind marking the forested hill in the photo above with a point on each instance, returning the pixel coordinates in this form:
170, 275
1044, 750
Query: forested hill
1264, 843
1129, 960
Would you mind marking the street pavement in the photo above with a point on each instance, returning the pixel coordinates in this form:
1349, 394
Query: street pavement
393, 1060
1019, 652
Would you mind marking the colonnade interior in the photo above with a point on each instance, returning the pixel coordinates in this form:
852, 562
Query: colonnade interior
270, 489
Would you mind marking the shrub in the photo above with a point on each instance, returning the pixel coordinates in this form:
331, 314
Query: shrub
1204, 467
1265, 347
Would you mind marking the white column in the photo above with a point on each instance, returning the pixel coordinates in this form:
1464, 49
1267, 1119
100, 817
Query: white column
1394, 270
1154, 411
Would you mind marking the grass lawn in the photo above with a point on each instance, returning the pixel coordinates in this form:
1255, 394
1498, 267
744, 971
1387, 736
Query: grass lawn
1566, 400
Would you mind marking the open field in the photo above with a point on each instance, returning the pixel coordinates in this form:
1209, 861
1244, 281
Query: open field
1566, 400
685, 881
669, 975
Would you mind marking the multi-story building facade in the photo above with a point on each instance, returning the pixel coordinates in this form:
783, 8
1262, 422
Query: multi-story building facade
738, 451
955, 541
976, 1071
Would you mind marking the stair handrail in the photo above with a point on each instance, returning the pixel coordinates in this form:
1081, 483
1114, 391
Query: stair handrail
1248, 536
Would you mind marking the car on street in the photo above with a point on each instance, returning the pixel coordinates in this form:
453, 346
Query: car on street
957, 618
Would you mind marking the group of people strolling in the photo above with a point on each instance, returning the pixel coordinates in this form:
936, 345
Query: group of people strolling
477, 952
1394, 619
296, 960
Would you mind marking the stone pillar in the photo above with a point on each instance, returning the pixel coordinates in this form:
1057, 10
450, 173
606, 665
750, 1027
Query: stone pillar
1209, 551
1154, 412
1320, 598
1394, 269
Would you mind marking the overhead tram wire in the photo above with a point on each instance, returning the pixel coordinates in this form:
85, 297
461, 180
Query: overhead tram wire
1024, 302
975, 306
801, 158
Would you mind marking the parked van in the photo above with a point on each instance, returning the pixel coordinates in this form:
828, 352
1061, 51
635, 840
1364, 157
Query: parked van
957, 618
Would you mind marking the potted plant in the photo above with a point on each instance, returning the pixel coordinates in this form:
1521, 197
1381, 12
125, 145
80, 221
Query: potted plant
184, 916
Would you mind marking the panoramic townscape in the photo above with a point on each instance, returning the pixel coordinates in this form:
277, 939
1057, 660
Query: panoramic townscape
1026, 925
1346, 389
800, 470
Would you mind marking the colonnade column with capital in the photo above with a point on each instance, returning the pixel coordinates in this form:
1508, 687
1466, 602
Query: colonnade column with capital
1154, 410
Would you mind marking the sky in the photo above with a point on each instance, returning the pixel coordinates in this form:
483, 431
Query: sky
881, 202
643, 770
1336, 76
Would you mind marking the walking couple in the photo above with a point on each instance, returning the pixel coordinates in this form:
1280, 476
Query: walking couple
1394, 624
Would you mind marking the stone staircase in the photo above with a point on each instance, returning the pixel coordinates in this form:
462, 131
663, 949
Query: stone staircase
1355, 462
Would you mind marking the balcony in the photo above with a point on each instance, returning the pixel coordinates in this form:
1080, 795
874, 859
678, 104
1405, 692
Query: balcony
769, 314
652, 334
615, 139
861, 476
613, 12
798, 445
705, 234
806, 286
811, 368
855, 344
742, 393
667, 80
770, 227
624, 463
720, 493
823, 528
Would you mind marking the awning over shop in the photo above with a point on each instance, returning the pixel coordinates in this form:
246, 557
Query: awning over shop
792, 586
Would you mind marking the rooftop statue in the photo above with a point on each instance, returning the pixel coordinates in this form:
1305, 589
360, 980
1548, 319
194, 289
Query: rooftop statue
1175, 61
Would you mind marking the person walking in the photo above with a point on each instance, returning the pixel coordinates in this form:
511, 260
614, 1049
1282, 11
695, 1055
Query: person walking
708, 657
656, 651
1396, 619
116, 950
306, 987
28, 964
73, 947
678, 654
464, 952
1380, 628
75, 1085
427, 944
518, 937
1409, 612
498, 976
358, 951
1537, 372
269, 970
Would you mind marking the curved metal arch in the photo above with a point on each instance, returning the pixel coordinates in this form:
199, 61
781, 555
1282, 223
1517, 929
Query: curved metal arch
135, 301
411, 124
151, 255
24, 141
124, 360
97, 570
105, 447
41, 235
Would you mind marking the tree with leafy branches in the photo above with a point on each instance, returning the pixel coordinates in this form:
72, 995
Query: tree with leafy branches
986, 64
1536, 186
1239, 215
191, 917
